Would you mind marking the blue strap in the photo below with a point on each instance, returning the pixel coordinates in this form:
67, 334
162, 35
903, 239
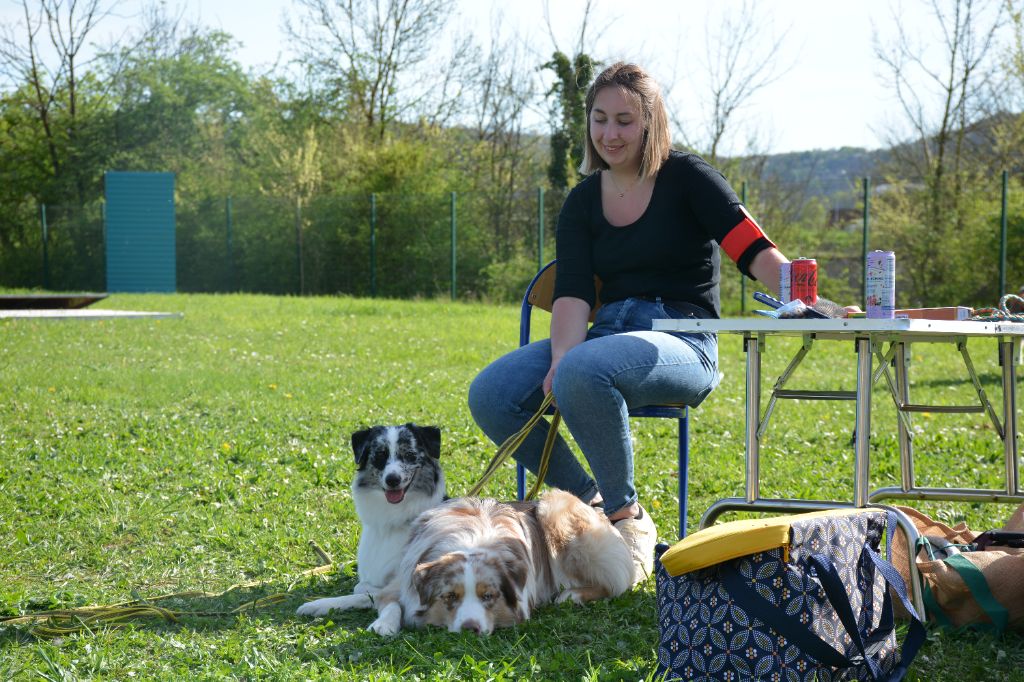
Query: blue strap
916, 633
833, 585
798, 633
792, 629
836, 592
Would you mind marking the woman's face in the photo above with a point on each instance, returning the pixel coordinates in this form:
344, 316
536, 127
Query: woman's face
616, 129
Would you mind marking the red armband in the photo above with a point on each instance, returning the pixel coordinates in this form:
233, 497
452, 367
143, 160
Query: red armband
740, 237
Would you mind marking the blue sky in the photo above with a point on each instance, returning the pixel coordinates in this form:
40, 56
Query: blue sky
831, 95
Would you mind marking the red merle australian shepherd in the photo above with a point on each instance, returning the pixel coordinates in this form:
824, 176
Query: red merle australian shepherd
470, 563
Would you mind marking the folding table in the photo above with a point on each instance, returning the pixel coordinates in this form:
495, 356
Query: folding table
889, 342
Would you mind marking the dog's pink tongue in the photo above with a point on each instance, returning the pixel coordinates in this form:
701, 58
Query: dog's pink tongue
394, 496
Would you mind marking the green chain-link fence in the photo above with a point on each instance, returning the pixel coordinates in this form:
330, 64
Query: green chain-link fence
401, 246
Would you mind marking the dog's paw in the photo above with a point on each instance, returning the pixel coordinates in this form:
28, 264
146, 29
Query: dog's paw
321, 607
317, 607
389, 620
574, 595
385, 627
569, 595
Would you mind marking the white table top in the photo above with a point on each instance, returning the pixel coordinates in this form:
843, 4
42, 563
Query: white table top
82, 314
844, 327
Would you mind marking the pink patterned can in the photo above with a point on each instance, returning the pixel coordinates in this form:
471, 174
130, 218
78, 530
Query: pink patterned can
785, 282
880, 285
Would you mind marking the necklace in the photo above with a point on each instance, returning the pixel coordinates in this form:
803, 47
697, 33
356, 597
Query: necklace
622, 192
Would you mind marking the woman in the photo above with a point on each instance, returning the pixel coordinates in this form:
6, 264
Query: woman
645, 220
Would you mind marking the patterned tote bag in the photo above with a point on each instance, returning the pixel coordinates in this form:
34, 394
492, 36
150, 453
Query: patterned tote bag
796, 598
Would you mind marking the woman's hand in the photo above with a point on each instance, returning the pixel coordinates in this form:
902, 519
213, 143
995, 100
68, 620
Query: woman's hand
851, 309
549, 379
568, 328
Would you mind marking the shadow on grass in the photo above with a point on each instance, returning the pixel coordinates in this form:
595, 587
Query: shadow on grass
613, 639
190, 610
989, 380
604, 640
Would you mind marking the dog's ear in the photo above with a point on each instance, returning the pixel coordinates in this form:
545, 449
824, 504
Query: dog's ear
429, 437
359, 449
514, 568
422, 582
427, 576
510, 592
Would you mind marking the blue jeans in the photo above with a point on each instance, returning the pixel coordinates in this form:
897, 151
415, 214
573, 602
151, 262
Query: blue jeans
622, 364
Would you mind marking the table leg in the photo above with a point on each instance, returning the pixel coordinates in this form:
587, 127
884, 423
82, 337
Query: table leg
752, 453
906, 444
862, 450
1006, 359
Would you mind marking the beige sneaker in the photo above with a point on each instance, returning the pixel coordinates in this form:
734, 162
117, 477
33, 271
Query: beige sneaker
640, 536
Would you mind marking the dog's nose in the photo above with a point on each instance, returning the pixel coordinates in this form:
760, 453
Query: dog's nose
393, 480
471, 625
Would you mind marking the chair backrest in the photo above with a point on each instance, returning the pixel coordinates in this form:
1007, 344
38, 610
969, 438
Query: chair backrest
542, 288
540, 294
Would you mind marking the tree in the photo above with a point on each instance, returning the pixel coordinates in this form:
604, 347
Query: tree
568, 98
569, 116
361, 52
1007, 137
942, 101
53, 89
953, 89
502, 166
181, 103
737, 66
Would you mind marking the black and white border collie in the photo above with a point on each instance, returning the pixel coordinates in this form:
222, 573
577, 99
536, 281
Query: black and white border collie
478, 564
398, 476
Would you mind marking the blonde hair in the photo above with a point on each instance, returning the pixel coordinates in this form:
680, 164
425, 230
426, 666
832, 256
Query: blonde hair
640, 87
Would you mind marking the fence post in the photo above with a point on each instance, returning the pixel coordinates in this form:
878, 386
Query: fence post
540, 228
373, 244
230, 254
743, 278
864, 243
1002, 239
298, 244
453, 243
46, 250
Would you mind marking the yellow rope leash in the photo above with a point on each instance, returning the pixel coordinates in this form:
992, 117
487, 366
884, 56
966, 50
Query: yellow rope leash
62, 622
512, 444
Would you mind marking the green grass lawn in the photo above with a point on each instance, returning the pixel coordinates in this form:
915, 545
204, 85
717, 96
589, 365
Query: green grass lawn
141, 458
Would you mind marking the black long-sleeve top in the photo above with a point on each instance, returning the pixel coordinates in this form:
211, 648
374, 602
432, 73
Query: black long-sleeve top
670, 251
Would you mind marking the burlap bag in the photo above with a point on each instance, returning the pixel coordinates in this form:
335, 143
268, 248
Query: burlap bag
1002, 567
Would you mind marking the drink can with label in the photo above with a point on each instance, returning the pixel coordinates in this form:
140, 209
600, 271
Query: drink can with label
804, 280
880, 285
785, 283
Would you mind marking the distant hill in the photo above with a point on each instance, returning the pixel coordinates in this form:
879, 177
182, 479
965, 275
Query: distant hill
833, 173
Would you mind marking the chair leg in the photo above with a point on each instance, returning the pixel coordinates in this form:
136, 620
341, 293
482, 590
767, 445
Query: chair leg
684, 461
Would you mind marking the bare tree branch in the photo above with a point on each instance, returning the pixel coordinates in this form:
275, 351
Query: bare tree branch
53, 85
738, 64
365, 49
943, 99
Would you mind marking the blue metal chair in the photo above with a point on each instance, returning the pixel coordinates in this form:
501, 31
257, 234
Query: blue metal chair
539, 295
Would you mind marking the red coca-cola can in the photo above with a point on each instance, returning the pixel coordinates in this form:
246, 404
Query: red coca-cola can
804, 278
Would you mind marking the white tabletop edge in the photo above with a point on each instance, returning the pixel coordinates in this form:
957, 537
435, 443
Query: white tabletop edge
84, 314
844, 326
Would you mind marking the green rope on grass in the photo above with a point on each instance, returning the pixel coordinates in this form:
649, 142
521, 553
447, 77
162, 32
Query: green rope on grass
63, 622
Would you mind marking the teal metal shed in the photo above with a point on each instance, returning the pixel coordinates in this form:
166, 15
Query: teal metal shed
140, 232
